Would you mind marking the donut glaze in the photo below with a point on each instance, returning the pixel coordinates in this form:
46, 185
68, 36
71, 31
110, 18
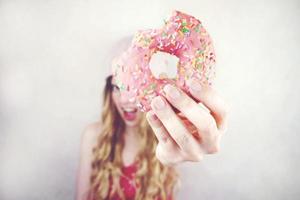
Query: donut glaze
182, 36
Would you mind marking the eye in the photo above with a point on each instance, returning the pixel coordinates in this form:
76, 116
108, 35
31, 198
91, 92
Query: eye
115, 88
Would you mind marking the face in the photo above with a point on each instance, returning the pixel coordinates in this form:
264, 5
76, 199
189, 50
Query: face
128, 110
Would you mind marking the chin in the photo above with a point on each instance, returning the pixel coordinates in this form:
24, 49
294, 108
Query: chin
131, 123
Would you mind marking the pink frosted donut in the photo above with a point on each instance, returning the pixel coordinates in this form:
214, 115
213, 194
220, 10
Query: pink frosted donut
182, 36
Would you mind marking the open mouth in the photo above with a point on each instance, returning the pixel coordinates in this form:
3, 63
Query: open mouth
129, 113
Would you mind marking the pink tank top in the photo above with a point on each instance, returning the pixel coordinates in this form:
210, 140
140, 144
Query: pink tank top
127, 183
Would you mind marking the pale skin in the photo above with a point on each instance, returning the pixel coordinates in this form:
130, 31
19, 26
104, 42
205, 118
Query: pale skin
175, 142
89, 138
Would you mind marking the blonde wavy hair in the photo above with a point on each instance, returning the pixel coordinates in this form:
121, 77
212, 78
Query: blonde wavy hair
154, 179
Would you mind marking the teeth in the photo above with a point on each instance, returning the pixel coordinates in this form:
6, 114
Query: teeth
129, 109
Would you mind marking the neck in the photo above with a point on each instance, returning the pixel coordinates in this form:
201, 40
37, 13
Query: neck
131, 130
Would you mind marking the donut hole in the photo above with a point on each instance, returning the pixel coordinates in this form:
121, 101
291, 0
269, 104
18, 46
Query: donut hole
163, 65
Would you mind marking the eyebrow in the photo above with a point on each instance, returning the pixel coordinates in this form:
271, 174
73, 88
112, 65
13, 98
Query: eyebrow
114, 85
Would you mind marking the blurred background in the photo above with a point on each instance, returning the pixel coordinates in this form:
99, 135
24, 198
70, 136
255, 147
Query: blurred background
55, 55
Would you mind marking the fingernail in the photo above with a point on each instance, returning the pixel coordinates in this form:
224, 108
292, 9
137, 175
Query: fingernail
195, 85
172, 91
158, 103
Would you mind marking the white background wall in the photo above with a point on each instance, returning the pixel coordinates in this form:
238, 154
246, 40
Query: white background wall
54, 56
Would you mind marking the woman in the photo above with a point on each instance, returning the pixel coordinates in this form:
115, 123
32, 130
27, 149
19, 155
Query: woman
121, 158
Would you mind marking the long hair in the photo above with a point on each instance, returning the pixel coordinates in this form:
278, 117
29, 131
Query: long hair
154, 179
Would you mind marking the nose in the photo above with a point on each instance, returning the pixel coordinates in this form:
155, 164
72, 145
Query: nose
127, 97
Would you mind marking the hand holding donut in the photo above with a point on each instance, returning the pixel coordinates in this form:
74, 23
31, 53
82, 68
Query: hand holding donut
185, 112
176, 143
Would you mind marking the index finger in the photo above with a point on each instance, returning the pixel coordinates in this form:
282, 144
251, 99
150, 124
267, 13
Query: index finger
210, 98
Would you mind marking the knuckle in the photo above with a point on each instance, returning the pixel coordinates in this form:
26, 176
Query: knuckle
210, 126
158, 151
224, 111
186, 102
159, 156
194, 156
162, 158
167, 162
198, 157
213, 149
182, 140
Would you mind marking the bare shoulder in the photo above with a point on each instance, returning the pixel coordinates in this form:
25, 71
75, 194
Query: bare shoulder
89, 139
90, 133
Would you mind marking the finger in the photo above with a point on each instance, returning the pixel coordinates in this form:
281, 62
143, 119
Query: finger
174, 126
199, 117
209, 97
160, 132
191, 110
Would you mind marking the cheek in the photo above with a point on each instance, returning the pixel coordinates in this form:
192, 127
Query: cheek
140, 115
115, 99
